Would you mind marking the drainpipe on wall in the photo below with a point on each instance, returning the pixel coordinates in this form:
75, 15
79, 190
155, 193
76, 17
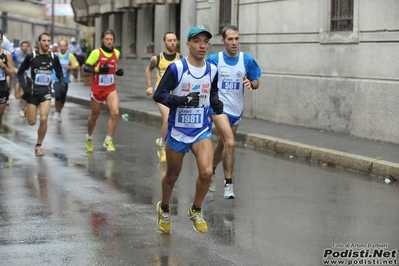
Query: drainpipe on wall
4, 25
186, 22
195, 14
237, 10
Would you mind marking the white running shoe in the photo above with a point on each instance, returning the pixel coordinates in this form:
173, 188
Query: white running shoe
228, 191
21, 113
212, 186
57, 116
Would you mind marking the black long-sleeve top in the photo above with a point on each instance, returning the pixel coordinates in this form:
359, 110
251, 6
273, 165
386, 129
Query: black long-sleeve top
40, 64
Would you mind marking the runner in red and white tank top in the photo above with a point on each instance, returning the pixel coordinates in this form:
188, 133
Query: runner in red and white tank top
103, 62
104, 83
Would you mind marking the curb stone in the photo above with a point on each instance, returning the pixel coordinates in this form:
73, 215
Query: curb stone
366, 165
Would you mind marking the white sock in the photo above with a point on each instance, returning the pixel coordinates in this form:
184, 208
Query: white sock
88, 137
108, 138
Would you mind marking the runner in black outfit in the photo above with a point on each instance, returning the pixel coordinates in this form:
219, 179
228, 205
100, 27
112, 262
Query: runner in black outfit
37, 91
6, 69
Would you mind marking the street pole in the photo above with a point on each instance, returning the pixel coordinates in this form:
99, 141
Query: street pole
52, 21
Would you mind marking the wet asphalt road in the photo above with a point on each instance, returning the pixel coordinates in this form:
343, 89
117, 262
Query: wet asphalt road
74, 208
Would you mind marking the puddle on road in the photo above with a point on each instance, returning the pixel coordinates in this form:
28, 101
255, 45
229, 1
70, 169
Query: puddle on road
13, 135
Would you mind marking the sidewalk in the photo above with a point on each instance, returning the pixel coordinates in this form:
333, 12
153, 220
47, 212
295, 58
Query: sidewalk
367, 156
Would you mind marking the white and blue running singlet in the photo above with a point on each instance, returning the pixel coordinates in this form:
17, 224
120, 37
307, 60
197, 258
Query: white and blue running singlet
20, 58
187, 123
7, 45
64, 61
230, 84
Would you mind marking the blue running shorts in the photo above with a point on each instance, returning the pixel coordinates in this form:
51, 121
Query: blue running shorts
179, 146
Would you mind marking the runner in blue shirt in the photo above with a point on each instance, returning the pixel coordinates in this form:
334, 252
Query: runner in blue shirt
68, 63
236, 71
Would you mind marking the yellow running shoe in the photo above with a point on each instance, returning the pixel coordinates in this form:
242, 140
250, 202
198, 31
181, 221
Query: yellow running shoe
159, 143
89, 145
162, 155
161, 150
199, 223
109, 145
163, 219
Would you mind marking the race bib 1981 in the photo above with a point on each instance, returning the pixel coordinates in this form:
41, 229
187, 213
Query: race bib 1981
189, 117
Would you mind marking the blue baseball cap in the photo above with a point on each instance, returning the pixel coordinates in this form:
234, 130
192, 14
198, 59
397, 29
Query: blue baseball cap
197, 30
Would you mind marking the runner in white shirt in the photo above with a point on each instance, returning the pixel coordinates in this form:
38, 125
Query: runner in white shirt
189, 88
7, 45
75, 49
237, 72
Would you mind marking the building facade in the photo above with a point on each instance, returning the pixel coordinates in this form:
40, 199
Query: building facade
326, 64
26, 20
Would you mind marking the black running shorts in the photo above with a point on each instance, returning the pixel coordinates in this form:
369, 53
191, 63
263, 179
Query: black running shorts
39, 95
